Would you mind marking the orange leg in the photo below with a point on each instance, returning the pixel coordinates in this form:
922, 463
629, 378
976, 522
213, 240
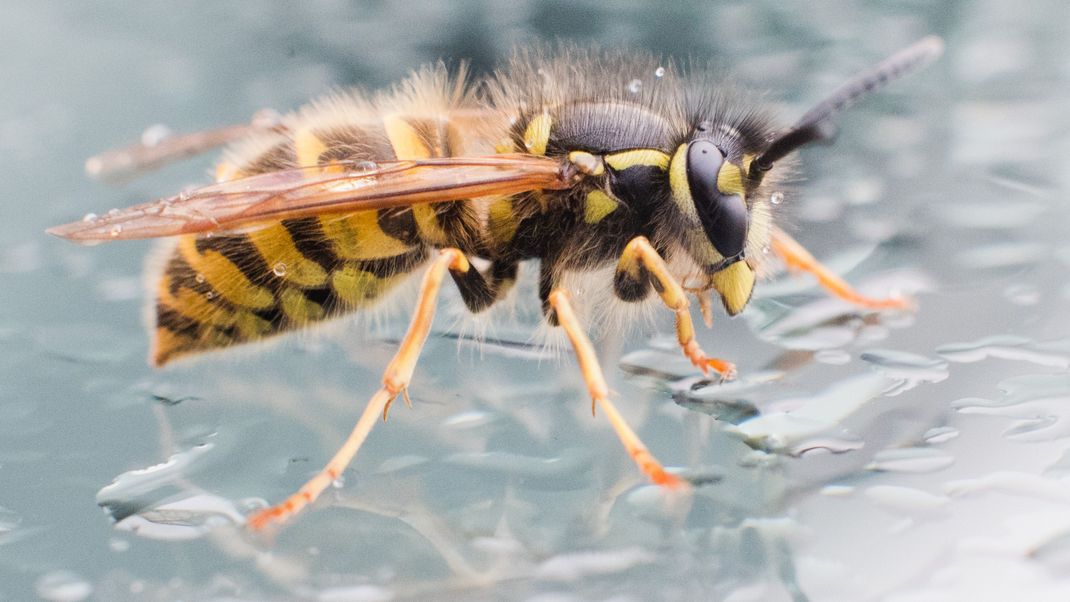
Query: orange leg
640, 253
796, 258
395, 381
599, 390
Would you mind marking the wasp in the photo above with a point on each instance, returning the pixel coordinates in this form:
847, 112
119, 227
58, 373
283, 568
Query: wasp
579, 160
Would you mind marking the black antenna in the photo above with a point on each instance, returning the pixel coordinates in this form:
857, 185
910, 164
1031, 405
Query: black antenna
815, 124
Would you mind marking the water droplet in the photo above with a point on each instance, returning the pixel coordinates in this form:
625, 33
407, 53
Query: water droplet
199, 278
835, 357
209, 295
659, 72
766, 250
113, 212
776, 198
116, 230
1022, 294
907, 500
837, 490
910, 459
339, 483
940, 434
155, 134
635, 86
908, 369
90, 217
279, 269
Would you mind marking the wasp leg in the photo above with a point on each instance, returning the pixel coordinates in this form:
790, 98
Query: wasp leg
640, 266
599, 390
396, 379
478, 291
796, 258
548, 277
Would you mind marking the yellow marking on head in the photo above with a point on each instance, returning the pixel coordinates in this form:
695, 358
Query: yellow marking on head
747, 160
587, 163
735, 285
276, 246
358, 236
299, 308
730, 179
308, 148
407, 142
644, 156
356, 286
501, 220
598, 206
681, 190
698, 245
537, 134
224, 276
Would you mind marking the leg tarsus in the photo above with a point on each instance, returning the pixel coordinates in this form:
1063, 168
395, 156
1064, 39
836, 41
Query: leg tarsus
797, 259
599, 391
640, 258
396, 379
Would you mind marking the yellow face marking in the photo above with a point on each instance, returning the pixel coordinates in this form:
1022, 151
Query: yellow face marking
224, 276
747, 159
276, 246
501, 221
699, 246
407, 142
298, 308
681, 190
644, 156
587, 163
730, 179
598, 206
735, 285
355, 286
308, 148
537, 134
358, 236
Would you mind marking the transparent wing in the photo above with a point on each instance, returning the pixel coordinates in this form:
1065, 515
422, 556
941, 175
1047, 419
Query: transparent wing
333, 189
152, 152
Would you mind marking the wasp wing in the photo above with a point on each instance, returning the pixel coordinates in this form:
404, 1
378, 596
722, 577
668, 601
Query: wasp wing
333, 189
155, 151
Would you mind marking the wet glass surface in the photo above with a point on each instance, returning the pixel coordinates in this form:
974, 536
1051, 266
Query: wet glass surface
895, 456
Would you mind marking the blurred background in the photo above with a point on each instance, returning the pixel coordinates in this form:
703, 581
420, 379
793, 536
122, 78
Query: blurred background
900, 457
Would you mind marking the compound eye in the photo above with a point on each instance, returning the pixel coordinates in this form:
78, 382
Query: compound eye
723, 214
